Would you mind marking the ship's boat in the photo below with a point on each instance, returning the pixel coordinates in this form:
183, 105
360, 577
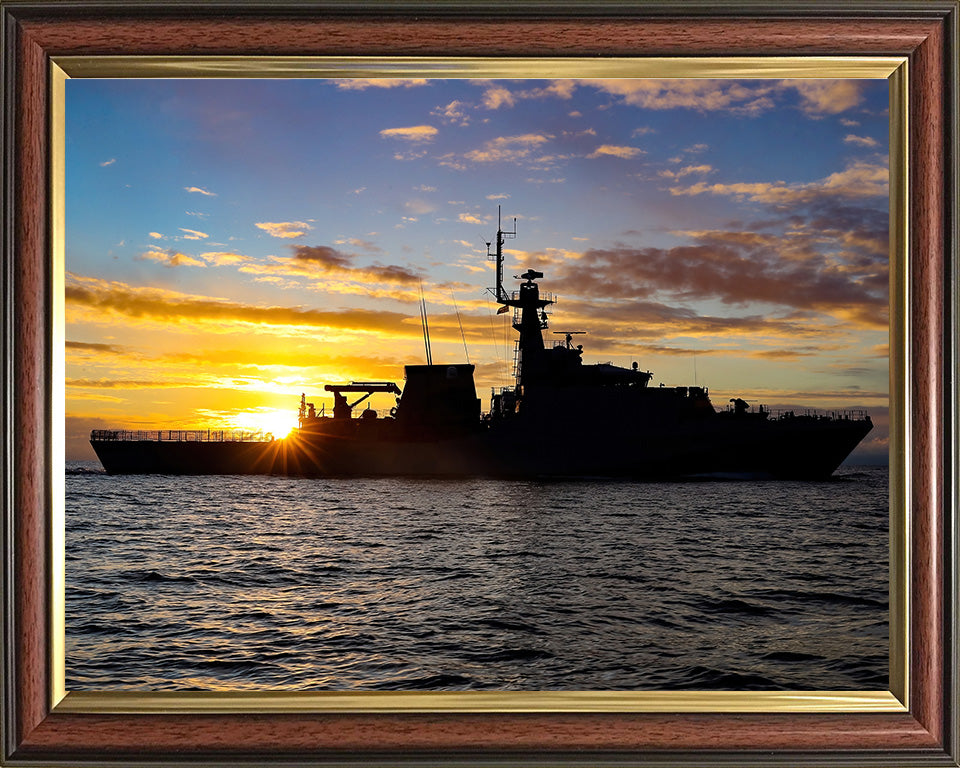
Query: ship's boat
561, 418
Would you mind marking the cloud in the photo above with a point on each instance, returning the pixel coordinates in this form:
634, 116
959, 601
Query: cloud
739, 268
323, 256
452, 113
686, 171
827, 97
701, 95
858, 180
201, 191
82, 346
410, 133
419, 207
509, 149
165, 383
156, 236
365, 245
192, 234
105, 163
610, 150
284, 229
362, 83
101, 300
469, 218
314, 261
170, 258
863, 141
224, 258
817, 97
497, 96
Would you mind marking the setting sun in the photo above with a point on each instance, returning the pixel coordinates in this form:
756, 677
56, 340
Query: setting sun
271, 421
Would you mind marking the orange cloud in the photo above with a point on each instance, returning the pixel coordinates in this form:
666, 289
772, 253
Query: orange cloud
101, 300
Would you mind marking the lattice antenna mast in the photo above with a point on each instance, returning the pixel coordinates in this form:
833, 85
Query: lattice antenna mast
498, 256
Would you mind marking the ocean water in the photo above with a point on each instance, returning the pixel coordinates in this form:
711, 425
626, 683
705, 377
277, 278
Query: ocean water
234, 583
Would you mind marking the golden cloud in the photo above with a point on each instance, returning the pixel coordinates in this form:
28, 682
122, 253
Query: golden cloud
862, 141
170, 258
286, 229
686, 171
827, 97
411, 133
224, 258
611, 150
362, 83
100, 300
497, 96
703, 95
859, 180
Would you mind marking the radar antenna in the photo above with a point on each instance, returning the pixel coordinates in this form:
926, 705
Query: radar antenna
500, 293
569, 336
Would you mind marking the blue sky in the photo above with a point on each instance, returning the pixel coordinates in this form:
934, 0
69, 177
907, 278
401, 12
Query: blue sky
231, 243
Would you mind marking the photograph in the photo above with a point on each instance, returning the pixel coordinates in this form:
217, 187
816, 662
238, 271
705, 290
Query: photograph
477, 384
468, 384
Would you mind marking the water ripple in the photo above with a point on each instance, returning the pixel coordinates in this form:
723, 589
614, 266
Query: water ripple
243, 583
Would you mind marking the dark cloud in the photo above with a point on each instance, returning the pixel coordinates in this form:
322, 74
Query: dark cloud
323, 256
833, 261
81, 346
311, 260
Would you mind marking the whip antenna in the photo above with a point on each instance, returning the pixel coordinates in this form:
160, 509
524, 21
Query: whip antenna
425, 325
460, 323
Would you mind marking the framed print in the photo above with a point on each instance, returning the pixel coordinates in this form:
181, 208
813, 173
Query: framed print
907, 50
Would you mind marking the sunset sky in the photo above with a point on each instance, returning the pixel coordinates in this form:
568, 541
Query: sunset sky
233, 243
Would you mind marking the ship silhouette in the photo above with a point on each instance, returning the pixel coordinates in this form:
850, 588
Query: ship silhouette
561, 418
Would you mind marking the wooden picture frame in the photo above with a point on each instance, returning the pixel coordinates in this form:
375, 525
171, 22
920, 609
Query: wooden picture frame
38, 729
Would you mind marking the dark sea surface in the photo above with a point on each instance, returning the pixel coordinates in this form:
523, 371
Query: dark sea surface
233, 583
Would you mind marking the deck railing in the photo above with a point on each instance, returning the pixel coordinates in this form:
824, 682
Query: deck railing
814, 414
180, 435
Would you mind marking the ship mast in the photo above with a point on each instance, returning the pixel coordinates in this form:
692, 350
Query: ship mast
501, 294
532, 319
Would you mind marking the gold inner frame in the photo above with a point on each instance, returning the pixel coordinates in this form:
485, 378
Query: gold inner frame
892, 69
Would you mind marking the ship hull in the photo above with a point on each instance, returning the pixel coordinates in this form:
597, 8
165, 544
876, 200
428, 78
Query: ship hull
174, 457
795, 449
